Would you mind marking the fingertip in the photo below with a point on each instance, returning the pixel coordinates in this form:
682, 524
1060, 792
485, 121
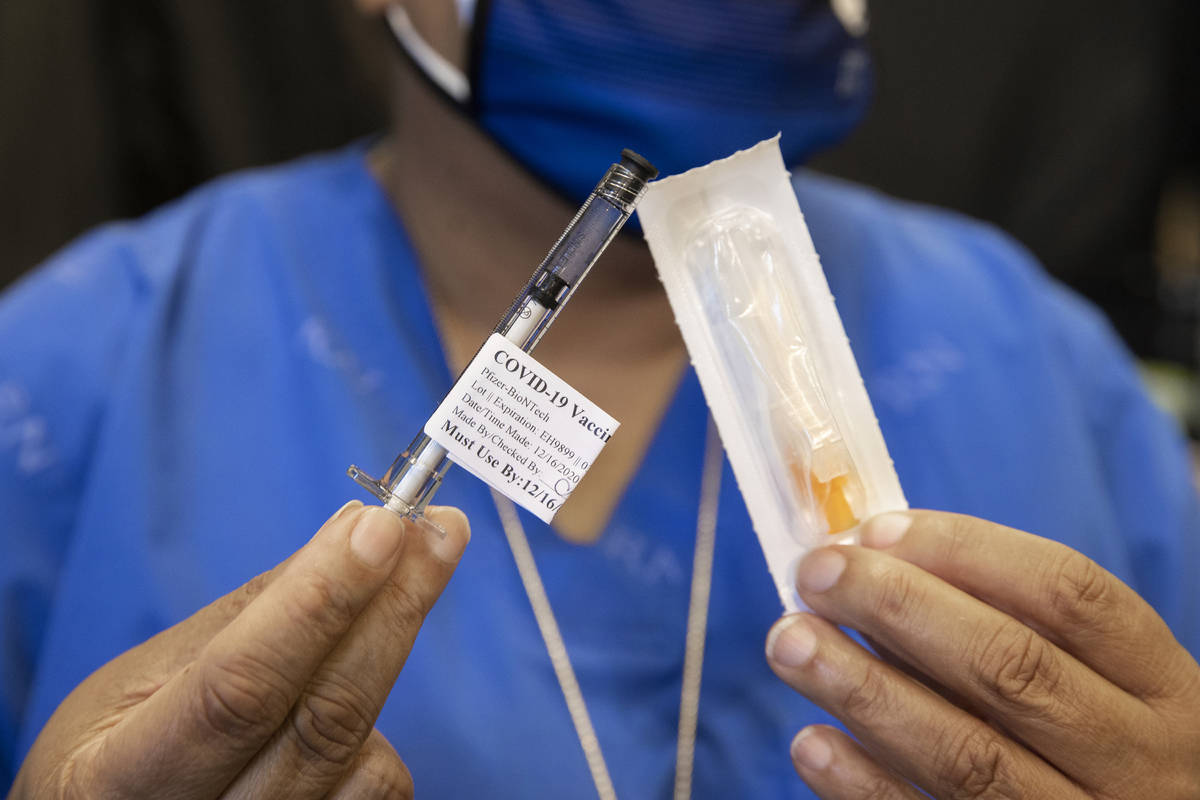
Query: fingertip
348, 508
456, 528
776, 629
376, 537
884, 530
450, 517
819, 570
811, 749
346, 513
791, 642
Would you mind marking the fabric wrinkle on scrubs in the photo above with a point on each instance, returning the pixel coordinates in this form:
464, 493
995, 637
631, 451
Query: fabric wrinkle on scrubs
180, 395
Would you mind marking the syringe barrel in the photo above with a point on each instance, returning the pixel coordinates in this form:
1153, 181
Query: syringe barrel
598, 220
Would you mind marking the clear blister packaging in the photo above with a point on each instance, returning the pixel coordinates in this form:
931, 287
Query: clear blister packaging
764, 335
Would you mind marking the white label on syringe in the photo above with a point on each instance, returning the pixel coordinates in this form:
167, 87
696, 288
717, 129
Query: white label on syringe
520, 428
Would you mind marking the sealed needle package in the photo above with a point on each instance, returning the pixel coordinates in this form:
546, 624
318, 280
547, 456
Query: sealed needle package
756, 313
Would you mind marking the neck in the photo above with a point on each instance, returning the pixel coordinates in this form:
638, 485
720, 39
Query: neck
479, 221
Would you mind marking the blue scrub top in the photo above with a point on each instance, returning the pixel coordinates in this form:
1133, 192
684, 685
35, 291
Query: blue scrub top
180, 397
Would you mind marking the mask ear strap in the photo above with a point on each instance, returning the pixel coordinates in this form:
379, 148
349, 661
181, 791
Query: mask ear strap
466, 12
443, 74
852, 14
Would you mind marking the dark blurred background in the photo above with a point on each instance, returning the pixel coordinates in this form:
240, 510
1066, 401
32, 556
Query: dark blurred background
1073, 125
110, 107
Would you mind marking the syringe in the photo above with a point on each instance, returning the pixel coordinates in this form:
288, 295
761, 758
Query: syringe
413, 478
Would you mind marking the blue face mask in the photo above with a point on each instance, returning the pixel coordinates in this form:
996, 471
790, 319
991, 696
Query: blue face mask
563, 85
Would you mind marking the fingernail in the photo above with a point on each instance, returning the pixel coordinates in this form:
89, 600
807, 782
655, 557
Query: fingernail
376, 537
810, 750
457, 530
885, 530
792, 644
820, 570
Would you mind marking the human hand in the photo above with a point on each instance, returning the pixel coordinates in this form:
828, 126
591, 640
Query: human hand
1050, 678
271, 691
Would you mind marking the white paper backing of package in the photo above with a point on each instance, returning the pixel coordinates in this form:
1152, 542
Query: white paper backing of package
750, 297
520, 428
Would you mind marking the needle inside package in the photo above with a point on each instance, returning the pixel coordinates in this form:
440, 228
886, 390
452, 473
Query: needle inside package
756, 313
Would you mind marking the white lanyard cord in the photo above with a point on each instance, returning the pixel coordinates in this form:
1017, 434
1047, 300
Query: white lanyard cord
697, 626
555, 647
697, 621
